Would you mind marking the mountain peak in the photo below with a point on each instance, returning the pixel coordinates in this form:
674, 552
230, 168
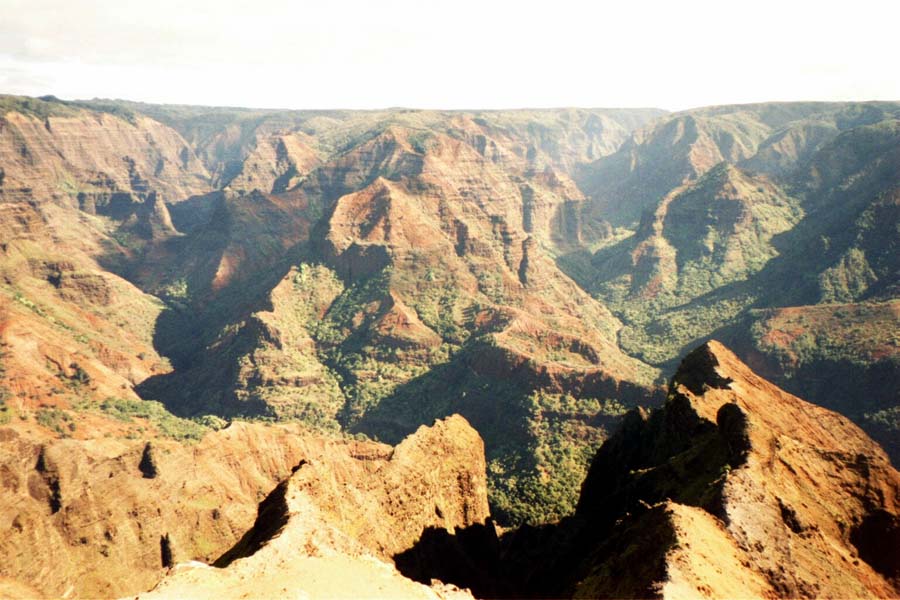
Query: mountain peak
700, 369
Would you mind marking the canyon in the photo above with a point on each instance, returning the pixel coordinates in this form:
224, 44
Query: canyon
216, 297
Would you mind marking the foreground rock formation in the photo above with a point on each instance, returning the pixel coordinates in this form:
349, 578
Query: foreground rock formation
332, 527
88, 518
734, 488
106, 518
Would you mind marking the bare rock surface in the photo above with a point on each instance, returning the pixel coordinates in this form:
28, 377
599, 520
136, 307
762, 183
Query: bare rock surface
86, 520
331, 528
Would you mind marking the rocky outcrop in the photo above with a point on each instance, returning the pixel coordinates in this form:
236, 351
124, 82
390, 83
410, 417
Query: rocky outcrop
70, 330
734, 488
398, 326
749, 490
87, 517
332, 528
277, 163
845, 369
106, 518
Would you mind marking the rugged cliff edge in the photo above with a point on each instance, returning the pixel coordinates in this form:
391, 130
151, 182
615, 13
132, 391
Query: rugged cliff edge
58, 151
331, 528
106, 518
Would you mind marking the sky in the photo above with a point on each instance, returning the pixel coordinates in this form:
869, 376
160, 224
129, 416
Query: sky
451, 54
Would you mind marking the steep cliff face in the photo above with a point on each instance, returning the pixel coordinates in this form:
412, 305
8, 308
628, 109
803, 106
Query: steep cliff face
790, 493
89, 517
844, 355
51, 150
734, 488
71, 332
277, 163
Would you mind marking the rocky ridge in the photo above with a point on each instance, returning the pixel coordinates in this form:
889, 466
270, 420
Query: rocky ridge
88, 520
331, 529
732, 488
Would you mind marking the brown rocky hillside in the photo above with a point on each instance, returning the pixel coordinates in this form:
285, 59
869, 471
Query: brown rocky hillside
106, 518
52, 151
798, 496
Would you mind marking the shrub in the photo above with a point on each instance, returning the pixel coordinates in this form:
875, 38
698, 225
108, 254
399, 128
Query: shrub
55, 419
168, 424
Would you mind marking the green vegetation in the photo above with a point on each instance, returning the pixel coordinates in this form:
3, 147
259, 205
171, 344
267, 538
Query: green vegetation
112, 107
40, 108
168, 424
421, 140
541, 481
5, 412
848, 279
339, 322
176, 291
888, 418
5, 394
51, 106
32, 306
490, 283
538, 444
860, 334
79, 376
713, 237
438, 301
56, 419
367, 372
127, 239
40, 311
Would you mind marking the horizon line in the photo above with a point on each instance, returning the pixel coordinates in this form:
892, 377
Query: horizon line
396, 108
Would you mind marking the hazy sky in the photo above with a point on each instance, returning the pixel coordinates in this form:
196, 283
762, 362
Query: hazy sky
460, 54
